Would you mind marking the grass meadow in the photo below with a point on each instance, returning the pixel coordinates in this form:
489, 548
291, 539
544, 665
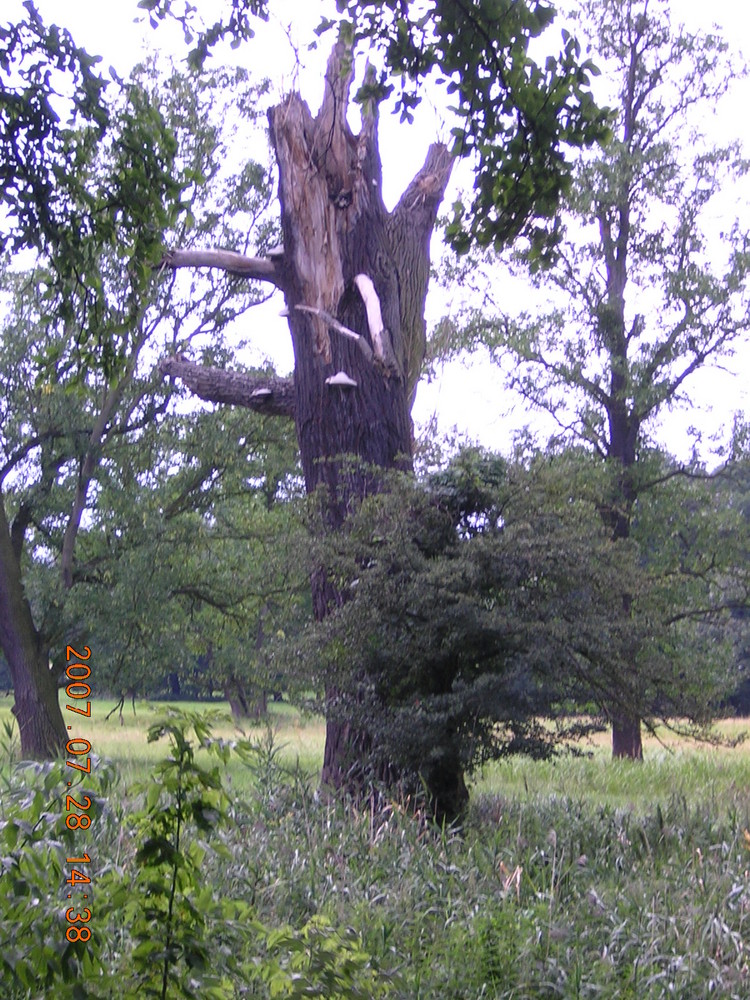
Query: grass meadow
580, 877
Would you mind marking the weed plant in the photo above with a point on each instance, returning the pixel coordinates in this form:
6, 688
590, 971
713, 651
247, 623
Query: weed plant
275, 891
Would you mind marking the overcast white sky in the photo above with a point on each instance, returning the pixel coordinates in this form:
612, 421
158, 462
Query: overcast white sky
468, 397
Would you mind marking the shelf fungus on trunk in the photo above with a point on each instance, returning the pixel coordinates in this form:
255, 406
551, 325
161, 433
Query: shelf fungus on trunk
342, 380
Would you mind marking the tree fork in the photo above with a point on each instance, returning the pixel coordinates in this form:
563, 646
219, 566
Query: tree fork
346, 259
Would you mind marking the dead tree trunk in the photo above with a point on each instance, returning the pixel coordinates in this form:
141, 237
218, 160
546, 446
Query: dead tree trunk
347, 258
355, 278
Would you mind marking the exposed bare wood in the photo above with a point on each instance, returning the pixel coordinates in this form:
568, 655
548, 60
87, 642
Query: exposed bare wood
339, 328
261, 393
374, 315
259, 268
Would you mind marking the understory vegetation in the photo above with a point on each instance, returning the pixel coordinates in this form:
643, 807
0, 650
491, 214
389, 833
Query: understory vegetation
201, 889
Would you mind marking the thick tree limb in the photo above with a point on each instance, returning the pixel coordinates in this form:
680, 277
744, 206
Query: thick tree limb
259, 268
410, 226
261, 393
21, 522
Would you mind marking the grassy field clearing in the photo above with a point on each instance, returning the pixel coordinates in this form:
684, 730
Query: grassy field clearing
672, 766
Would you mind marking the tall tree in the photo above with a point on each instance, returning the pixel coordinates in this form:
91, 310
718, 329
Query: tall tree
646, 294
355, 276
75, 329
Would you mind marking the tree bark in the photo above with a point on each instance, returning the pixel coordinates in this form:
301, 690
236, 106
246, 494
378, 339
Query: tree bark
337, 234
626, 738
354, 278
36, 702
261, 393
622, 419
241, 706
259, 268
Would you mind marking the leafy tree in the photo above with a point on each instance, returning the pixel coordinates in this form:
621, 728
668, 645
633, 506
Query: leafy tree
732, 497
478, 605
645, 296
485, 616
189, 560
75, 388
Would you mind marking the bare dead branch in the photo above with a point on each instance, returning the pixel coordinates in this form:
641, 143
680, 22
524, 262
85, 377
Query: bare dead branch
267, 394
339, 328
259, 268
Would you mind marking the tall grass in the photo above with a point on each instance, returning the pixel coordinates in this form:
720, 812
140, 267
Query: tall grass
581, 877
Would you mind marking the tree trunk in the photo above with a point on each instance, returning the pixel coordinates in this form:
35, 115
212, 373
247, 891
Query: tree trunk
446, 787
354, 278
350, 264
36, 702
242, 707
623, 427
626, 738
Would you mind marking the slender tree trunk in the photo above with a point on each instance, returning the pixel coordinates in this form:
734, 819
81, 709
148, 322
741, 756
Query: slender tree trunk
36, 703
623, 424
626, 725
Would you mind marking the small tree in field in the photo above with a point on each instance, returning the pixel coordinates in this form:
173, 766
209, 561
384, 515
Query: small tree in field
648, 298
482, 604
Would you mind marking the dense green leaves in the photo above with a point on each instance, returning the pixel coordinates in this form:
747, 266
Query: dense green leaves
490, 598
82, 402
643, 296
467, 621
39, 150
517, 119
190, 561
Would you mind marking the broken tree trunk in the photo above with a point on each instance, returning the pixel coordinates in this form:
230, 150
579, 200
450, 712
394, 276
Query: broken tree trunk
355, 278
346, 256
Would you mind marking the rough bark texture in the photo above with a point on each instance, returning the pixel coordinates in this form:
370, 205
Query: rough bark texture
264, 394
336, 228
354, 278
36, 705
